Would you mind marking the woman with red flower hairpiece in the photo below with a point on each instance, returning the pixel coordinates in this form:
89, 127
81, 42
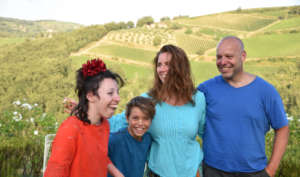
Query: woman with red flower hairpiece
80, 147
180, 116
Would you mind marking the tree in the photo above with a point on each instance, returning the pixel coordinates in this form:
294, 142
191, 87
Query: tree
188, 31
145, 20
200, 51
163, 19
122, 25
157, 40
239, 10
295, 9
130, 24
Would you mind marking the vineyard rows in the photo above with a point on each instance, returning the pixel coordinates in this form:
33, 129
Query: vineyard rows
125, 52
191, 44
237, 22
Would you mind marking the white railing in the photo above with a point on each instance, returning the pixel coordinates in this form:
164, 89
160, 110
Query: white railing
48, 144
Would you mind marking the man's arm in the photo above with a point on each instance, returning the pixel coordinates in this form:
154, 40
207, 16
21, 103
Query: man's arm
281, 139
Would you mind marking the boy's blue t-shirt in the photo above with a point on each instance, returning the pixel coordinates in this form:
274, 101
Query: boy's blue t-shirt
128, 154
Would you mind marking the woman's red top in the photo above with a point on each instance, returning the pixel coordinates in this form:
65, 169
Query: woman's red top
79, 150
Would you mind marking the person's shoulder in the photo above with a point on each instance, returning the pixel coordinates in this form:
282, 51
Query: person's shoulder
119, 132
209, 82
71, 126
260, 82
145, 95
198, 95
147, 137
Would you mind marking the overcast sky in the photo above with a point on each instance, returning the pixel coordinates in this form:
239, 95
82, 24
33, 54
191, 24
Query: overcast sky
87, 12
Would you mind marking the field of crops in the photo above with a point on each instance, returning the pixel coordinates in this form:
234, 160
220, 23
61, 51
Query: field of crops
10, 40
288, 23
125, 52
130, 70
191, 44
239, 22
271, 45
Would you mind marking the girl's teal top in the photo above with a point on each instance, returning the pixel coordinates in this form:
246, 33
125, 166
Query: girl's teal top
174, 150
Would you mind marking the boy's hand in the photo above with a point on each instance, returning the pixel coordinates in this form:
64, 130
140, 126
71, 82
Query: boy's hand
69, 104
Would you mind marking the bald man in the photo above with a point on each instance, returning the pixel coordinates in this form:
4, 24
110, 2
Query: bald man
241, 107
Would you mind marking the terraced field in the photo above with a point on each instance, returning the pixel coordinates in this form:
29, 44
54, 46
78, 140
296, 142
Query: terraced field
271, 45
124, 52
288, 23
239, 22
130, 70
191, 44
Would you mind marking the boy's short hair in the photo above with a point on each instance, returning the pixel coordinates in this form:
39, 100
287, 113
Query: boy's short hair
146, 105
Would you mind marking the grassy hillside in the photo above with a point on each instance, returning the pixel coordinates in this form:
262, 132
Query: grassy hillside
271, 45
191, 44
239, 22
10, 40
288, 23
10, 27
125, 52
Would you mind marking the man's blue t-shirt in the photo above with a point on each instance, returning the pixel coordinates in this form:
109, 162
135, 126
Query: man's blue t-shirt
128, 154
237, 120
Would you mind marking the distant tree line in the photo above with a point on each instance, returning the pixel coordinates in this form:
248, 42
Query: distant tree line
145, 20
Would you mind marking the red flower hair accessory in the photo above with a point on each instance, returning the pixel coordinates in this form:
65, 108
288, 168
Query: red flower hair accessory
93, 67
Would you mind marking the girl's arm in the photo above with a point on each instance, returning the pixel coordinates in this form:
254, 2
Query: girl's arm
62, 151
113, 171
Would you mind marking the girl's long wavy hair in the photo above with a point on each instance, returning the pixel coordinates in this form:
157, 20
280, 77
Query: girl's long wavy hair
179, 81
90, 84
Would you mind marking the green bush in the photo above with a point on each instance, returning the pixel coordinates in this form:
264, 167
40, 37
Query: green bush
188, 31
157, 40
22, 135
200, 51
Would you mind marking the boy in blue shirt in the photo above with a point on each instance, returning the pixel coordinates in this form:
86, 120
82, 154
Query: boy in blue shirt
128, 147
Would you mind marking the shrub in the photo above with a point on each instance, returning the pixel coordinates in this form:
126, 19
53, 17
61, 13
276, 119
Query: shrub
157, 40
188, 31
200, 51
22, 134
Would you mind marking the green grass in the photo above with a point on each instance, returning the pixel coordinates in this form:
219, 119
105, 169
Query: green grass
238, 22
216, 32
271, 45
125, 52
10, 40
288, 23
130, 70
276, 14
191, 44
205, 70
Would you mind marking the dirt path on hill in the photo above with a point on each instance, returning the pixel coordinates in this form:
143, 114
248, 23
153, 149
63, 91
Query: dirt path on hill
90, 47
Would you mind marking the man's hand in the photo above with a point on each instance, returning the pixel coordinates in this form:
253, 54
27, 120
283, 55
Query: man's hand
271, 171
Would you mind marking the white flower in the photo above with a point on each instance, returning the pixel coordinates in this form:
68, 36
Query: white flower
15, 113
24, 99
27, 120
290, 118
0, 125
32, 120
17, 102
35, 104
56, 123
18, 118
26, 105
36, 132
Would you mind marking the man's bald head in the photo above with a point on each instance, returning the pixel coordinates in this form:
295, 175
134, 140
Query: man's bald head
233, 38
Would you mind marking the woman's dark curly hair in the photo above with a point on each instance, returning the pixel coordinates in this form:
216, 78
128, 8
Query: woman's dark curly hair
87, 84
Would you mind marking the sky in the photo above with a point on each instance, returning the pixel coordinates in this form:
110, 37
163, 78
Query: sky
88, 12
